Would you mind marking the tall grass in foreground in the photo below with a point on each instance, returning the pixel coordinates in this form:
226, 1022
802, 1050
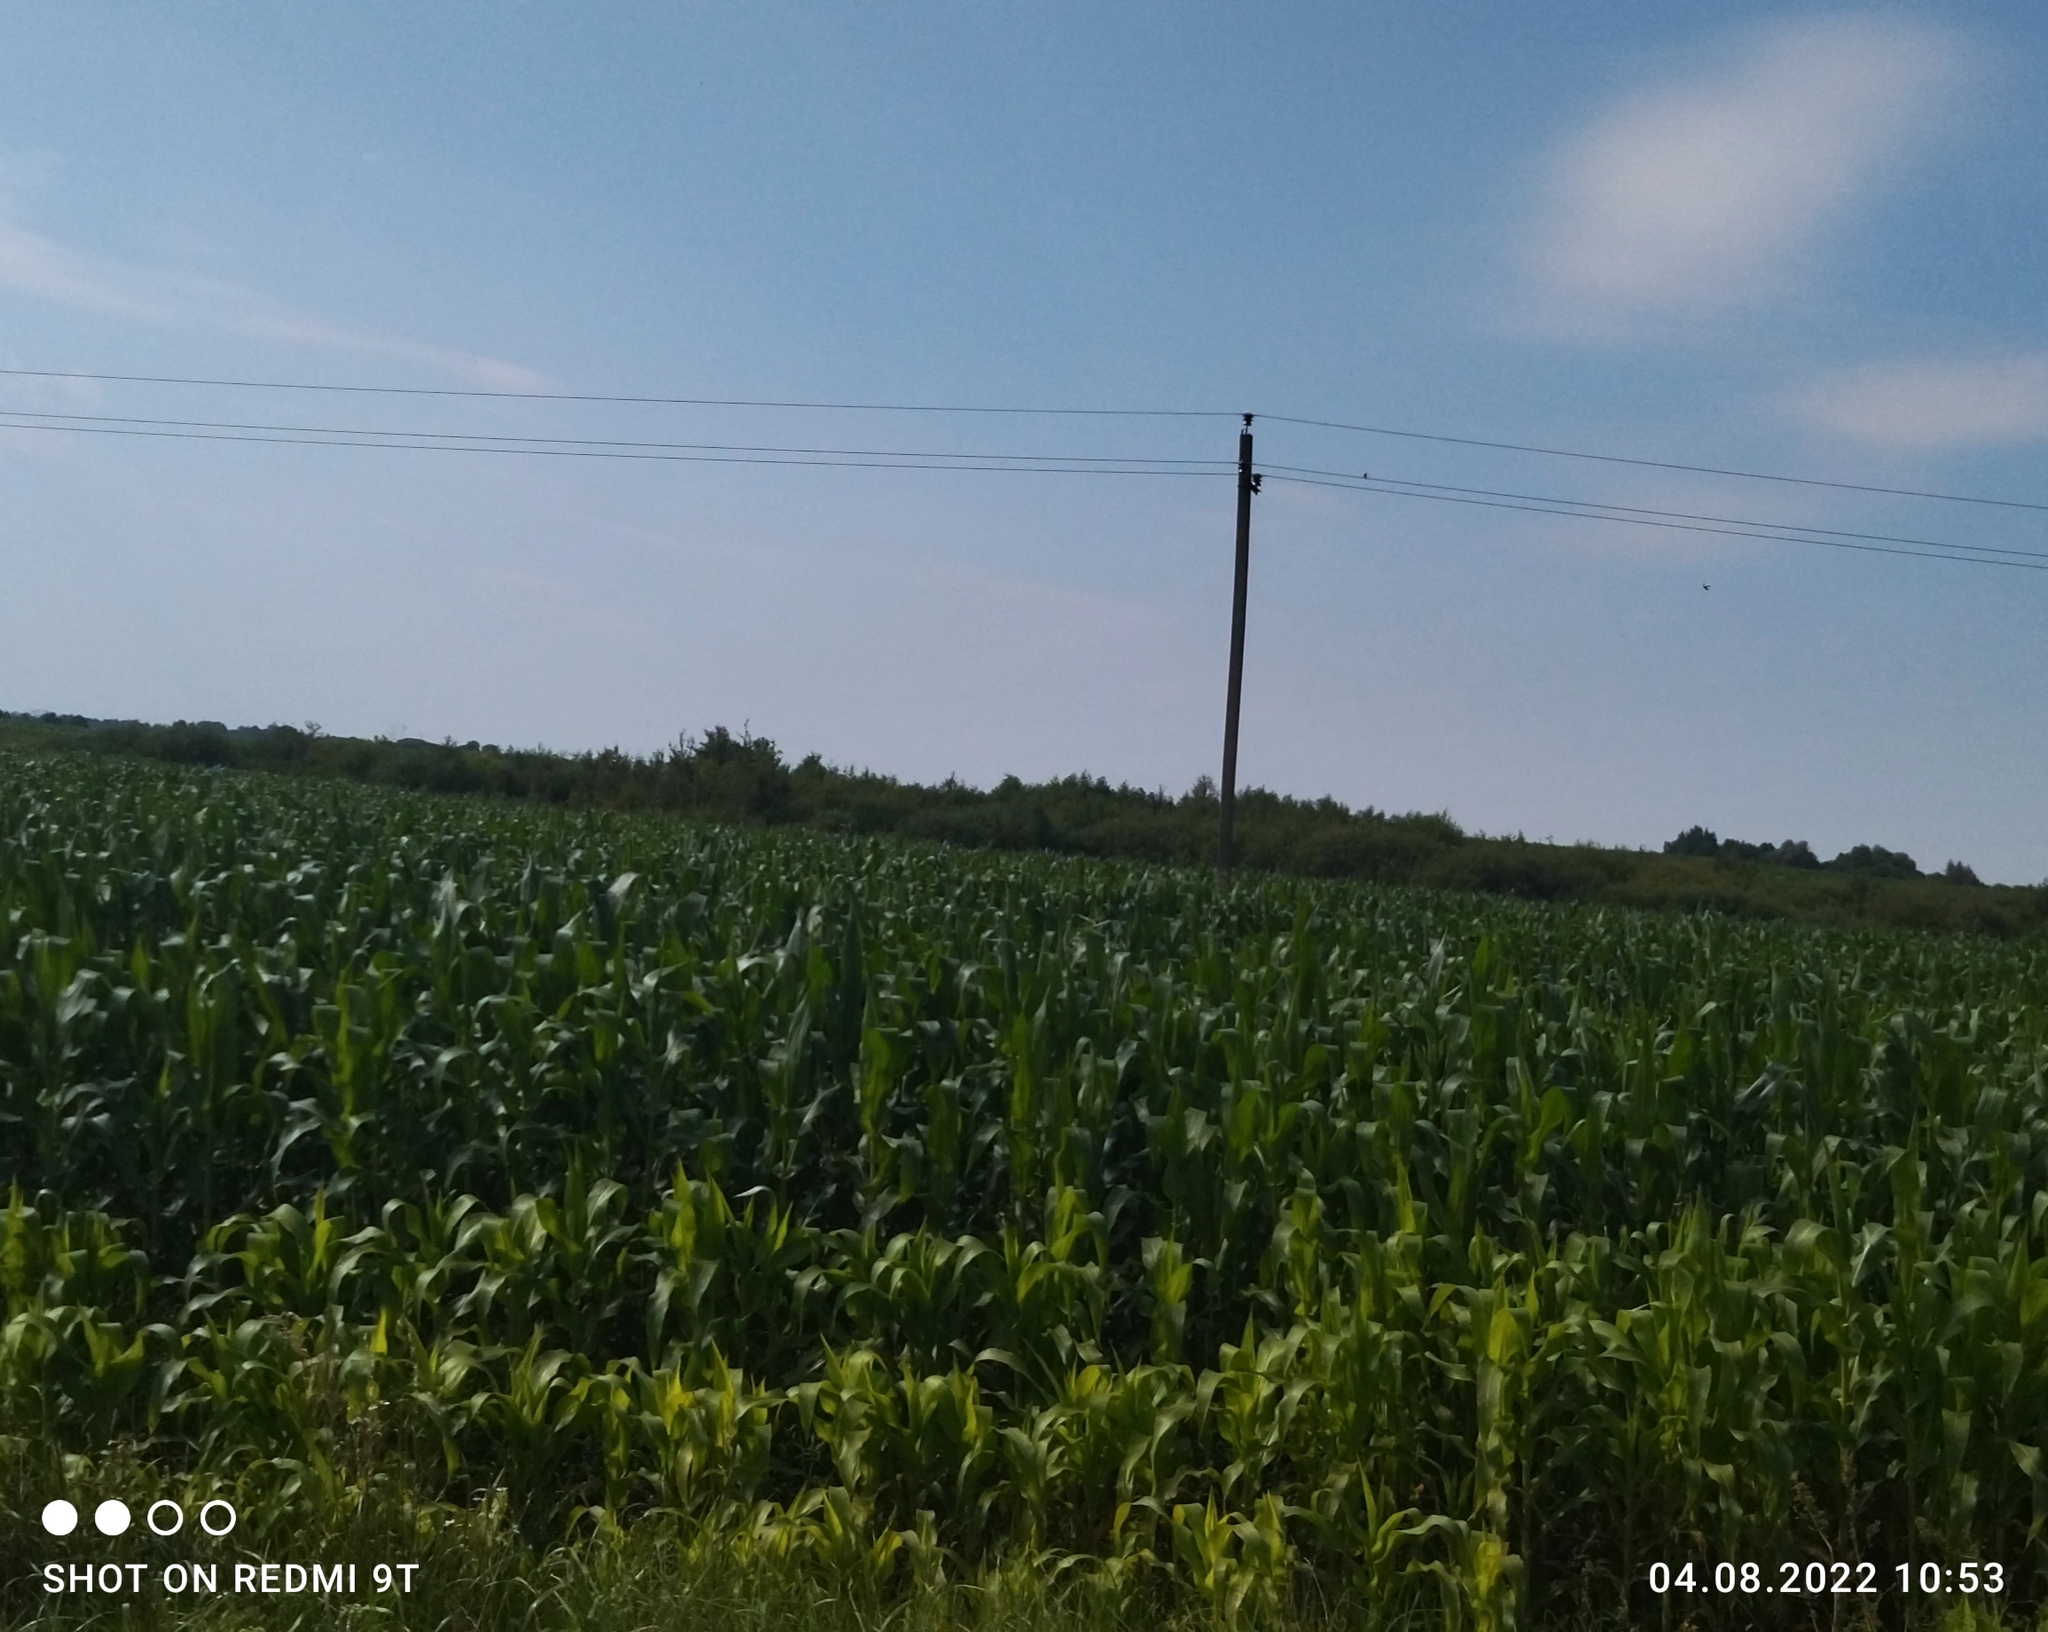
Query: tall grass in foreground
617, 1205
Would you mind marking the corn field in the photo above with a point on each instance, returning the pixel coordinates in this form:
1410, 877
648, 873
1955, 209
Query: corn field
897, 1212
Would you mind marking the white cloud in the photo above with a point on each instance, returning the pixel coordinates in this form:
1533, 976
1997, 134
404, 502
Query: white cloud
1710, 191
40, 267
1934, 402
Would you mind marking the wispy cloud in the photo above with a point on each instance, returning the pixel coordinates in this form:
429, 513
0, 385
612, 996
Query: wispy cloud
34, 265
1934, 402
1712, 190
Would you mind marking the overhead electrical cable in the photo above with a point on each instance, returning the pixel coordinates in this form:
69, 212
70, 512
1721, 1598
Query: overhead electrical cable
645, 401
383, 437
964, 462
1354, 486
563, 447
1659, 464
504, 394
1592, 505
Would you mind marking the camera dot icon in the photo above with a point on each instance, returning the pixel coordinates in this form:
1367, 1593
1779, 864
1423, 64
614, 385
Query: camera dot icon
164, 1517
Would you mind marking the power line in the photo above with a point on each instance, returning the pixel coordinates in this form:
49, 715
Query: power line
1054, 464
1659, 464
382, 437
1356, 486
594, 396
882, 463
924, 459
1591, 505
481, 393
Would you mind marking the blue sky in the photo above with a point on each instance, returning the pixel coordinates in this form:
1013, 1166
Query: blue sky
1758, 237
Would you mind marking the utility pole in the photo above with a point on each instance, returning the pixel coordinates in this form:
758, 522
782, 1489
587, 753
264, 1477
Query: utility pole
1247, 485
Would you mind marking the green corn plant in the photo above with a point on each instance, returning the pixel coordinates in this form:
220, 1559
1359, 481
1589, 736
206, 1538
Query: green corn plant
925, 1214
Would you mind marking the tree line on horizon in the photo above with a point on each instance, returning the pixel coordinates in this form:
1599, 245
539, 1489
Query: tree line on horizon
730, 776
1865, 860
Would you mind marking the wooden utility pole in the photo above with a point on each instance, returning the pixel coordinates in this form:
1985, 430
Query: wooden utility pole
1247, 485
